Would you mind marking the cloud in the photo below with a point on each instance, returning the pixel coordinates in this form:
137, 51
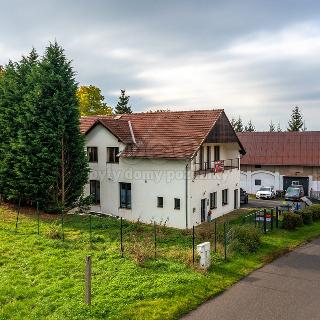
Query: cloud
254, 58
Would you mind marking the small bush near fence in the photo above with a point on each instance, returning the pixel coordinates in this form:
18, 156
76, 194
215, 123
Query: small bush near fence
314, 210
245, 239
307, 216
291, 221
53, 231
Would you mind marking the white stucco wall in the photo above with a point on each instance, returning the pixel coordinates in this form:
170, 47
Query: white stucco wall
203, 185
152, 178
268, 178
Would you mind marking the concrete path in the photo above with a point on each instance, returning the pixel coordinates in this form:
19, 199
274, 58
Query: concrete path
287, 289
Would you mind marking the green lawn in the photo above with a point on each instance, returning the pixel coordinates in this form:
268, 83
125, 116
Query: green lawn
43, 278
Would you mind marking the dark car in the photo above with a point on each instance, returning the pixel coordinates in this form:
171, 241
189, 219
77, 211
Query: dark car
294, 193
243, 196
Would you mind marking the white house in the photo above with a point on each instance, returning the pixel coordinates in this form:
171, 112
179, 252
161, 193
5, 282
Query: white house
168, 167
281, 159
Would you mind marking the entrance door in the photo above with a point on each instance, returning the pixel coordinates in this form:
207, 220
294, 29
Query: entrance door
203, 210
236, 192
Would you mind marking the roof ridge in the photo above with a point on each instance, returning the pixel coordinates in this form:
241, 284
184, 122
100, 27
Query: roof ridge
174, 111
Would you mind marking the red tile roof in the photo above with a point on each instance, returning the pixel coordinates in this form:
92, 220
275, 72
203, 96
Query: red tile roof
281, 148
175, 135
119, 128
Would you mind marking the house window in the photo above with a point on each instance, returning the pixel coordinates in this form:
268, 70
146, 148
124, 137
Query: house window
258, 166
95, 191
92, 153
257, 182
213, 200
125, 195
112, 155
176, 204
216, 153
160, 202
224, 197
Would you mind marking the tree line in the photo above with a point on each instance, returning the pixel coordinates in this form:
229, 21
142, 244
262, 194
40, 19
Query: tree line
295, 123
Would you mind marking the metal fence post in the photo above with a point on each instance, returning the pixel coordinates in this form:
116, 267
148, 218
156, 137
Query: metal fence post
271, 219
255, 219
225, 241
193, 244
121, 237
38, 217
62, 224
277, 217
18, 213
155, 239
265, 221
215, 236
88, 281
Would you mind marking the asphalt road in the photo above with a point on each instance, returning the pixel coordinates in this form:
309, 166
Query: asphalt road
287, 289
261, 203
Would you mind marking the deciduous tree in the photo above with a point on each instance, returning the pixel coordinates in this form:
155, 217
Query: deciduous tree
91, 101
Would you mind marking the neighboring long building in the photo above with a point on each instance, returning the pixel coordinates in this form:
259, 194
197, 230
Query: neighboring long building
280, 159
168, 167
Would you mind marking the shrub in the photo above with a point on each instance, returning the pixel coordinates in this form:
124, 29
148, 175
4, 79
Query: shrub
306, 215
291, 221
245, 239
53, 232
141, 250
315, 211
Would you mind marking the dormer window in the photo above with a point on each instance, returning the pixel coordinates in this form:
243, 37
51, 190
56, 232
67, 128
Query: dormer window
112, 155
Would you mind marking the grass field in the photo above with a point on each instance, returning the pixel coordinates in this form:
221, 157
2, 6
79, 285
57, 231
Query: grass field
43, 278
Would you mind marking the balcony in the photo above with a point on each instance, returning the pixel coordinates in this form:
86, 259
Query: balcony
216, 166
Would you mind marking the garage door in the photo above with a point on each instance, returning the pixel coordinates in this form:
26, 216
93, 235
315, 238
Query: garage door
289, 181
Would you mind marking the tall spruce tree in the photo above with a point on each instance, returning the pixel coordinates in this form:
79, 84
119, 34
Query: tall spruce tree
10, 98
61, 161
296, 121
44, 158
123, 104
272, 127
238, 125
13, 116
233, 123
250, 127
279, 127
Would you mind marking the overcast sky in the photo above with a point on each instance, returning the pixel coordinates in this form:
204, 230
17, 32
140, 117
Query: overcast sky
256, 59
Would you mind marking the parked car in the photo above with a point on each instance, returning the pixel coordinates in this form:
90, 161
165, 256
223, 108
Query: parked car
266, 193
243, 196
294, 193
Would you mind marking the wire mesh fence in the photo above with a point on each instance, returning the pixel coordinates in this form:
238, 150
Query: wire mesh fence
138, 241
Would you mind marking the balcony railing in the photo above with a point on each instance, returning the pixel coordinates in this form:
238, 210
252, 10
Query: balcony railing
216, 166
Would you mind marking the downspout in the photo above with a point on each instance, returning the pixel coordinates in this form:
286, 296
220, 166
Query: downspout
187, 195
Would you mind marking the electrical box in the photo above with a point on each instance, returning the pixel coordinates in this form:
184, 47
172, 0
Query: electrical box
204, 251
